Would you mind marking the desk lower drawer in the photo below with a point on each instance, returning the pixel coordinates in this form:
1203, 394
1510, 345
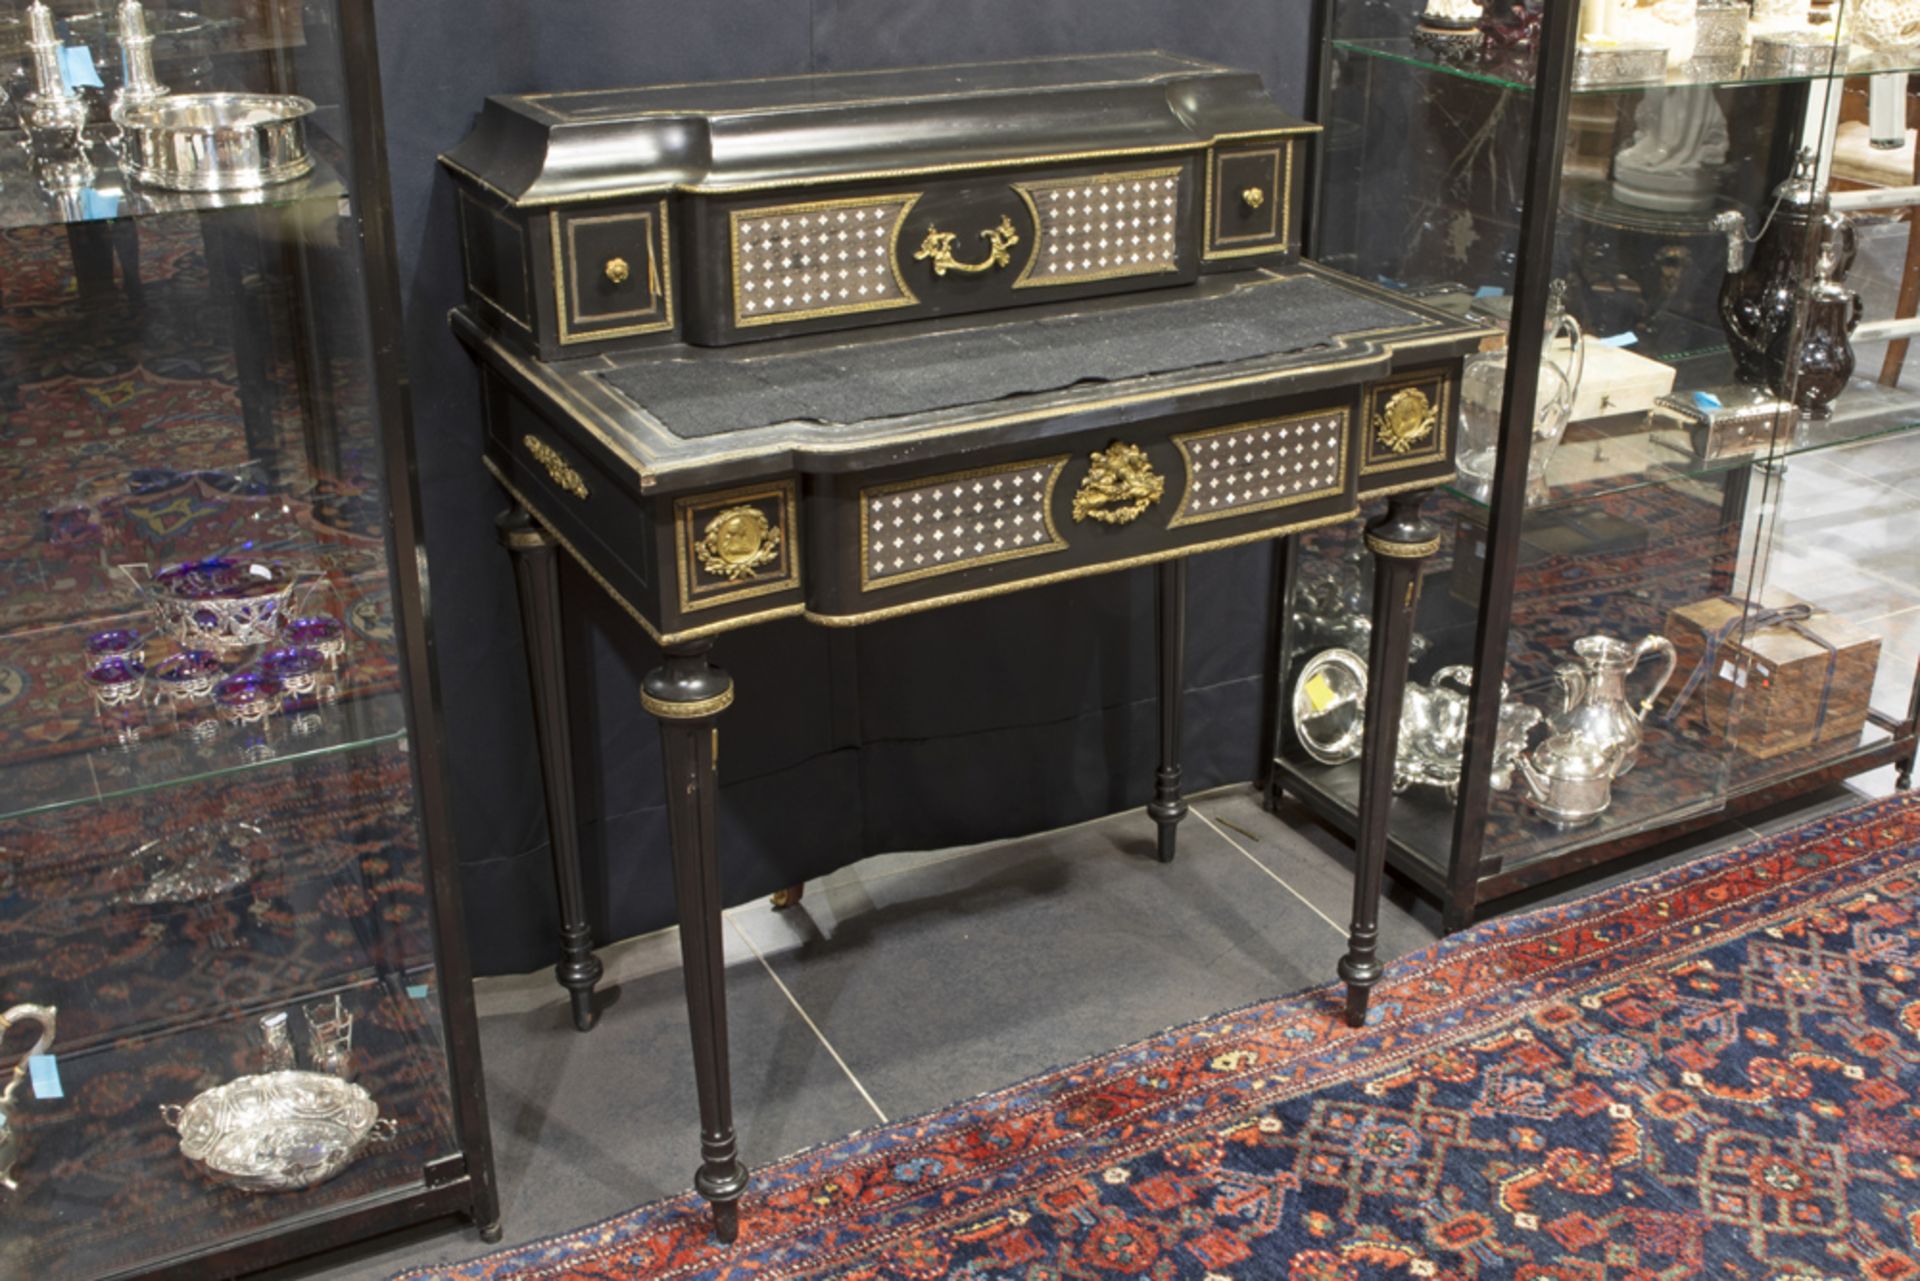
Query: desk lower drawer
852, 547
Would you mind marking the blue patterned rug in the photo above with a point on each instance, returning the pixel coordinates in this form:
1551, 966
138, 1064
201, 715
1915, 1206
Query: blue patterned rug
1710, 1073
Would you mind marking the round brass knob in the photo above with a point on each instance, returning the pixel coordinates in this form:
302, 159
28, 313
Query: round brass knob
618, 271
1254, 196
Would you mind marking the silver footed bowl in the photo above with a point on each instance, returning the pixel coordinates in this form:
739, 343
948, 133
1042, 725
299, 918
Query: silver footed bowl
216, 141
277, 1131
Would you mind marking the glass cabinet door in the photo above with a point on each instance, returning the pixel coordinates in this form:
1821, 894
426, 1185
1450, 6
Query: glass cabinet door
212, 872
1660, 514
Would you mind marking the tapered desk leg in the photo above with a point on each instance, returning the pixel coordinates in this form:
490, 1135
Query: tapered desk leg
1168, 807
1399, 539
687, 693
537, 571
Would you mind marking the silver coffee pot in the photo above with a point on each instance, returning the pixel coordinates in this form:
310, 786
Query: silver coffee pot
43, 1017
1595, 718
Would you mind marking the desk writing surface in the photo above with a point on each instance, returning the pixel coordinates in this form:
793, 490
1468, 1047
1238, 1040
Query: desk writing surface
838, 403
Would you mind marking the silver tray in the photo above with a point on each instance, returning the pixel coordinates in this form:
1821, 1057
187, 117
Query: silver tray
216, 141
277, 1131
1329, 706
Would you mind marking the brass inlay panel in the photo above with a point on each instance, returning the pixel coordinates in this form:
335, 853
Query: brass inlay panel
558, 470
566, 278
1045, 237
1380, 455
709, 511
1189, 443
1216, 246
1119, 486
874, 498
905, 297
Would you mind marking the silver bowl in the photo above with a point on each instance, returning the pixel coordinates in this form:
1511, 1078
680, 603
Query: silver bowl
216, 141
277, 1131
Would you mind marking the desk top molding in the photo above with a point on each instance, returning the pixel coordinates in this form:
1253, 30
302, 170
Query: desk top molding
775, 133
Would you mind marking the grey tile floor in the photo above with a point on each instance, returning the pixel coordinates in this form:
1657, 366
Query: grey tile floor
905, 982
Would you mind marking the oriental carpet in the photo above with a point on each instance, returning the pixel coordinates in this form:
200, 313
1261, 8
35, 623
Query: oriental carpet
1713, 1072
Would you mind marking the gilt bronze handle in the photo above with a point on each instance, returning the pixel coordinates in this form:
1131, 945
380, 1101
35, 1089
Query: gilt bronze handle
1254, 196
938, 248
618, 271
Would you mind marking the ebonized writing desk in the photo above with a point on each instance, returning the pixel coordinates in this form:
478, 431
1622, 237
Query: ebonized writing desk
1098, 351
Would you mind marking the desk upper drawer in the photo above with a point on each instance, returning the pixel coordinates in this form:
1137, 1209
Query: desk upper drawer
718, 269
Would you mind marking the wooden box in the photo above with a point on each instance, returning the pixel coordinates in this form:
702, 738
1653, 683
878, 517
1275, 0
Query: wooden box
1777, 689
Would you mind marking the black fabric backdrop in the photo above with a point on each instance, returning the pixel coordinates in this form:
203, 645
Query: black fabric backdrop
960, 725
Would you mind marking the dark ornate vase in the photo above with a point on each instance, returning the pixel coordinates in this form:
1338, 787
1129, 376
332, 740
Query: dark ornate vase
1824, 341
1758, 300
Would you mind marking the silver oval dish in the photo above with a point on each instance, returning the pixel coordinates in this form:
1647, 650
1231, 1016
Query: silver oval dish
277, 1131
216, 141
1329, 706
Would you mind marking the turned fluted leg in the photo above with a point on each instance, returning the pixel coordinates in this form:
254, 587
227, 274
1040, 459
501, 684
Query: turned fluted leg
536, 569
1400, 540
1168, 807
687, 693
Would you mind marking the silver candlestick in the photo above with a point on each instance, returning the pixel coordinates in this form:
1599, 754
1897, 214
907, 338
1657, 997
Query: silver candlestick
139, 83
55, 116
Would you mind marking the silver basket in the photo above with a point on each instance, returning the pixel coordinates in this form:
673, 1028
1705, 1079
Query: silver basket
277, 1131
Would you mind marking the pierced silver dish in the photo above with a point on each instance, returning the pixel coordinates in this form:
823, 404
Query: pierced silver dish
278, 1131
216, 141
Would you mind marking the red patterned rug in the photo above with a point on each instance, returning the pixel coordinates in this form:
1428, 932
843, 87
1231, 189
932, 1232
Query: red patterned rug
1710, 1073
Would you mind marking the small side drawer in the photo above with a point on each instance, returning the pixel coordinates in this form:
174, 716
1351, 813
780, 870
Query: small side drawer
1249, 198
612, 273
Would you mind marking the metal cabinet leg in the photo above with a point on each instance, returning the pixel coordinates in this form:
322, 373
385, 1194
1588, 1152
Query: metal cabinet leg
686, 694
1168, 807
537, 571
1399, 539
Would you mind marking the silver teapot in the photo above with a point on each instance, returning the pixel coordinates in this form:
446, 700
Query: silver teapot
1595, 717
43, 1017
1570, 779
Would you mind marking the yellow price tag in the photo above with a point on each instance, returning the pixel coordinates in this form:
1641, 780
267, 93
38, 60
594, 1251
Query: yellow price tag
1320, 695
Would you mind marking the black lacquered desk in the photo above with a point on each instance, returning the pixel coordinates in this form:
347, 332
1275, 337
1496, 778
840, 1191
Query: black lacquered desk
855, 345
846, 480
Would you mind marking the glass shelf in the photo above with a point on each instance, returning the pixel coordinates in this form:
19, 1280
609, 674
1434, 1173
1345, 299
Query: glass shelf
23, 203
1516, 72
1616, 455
108, 773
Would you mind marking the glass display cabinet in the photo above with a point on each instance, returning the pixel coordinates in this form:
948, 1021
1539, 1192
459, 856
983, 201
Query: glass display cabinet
231, 952
1681, 586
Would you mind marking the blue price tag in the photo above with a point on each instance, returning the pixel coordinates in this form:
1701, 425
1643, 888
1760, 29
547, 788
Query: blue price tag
418, 991
77, 69
1489, 291
44, 1072
1707, 400
1627, 339
100, 204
